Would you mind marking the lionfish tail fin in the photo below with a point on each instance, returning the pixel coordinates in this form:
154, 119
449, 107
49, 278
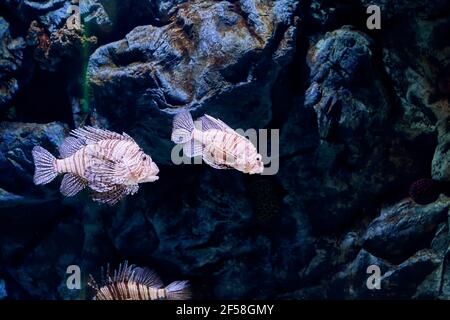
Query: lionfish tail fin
45, 164
183, 126
179, 290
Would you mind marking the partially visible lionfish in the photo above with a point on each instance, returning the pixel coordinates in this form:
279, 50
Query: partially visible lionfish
130, 282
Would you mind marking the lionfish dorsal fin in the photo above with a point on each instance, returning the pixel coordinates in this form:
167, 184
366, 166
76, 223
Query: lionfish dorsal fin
92, 135
209, 123
129, 282
147, 277
69, 146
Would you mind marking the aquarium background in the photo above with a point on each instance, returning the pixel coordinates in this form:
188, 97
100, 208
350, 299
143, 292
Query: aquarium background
363, 115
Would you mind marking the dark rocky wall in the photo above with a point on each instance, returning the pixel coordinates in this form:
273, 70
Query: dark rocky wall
362, 115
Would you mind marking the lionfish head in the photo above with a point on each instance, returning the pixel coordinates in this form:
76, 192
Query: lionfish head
251, 162
149, 170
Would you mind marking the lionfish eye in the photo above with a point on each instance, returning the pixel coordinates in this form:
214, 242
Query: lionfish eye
144, 158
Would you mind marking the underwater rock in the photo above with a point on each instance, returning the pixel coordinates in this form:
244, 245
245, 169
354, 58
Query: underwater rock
339, 91
406, 279
11, 60
351, 282
3, 293
354, 156
95, 17
41, 268
62, 45
440, 167
404, 228
358, 119
210, 234
415, 56
400, 281
425, 191
211, 55
16, 162
8, 199
109, 17
52, 14
414, 9
433, 286
131, 234
207, 220
48, 30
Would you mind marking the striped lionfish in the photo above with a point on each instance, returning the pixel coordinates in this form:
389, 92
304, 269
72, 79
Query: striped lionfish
220, 146
130, 282
110, 164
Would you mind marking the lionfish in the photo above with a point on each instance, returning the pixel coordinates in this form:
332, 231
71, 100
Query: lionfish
110, 164
220, 146
130, 282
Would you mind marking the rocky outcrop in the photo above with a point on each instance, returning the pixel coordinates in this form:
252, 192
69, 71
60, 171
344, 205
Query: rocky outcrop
441, 160
352, 157
405, 228
11, 62
3, 293
211, 55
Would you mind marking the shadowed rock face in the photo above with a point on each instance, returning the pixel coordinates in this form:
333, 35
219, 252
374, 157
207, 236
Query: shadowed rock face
11, 59
3, 293
405, 228
16, 161
363, 114
441, 159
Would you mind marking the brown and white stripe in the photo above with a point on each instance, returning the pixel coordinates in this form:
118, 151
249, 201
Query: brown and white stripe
225, 147
111, 149
134, 283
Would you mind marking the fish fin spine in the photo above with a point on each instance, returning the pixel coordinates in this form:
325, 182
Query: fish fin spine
72, 184
179, 290
192, 148
183, 127
45, 166
91, 135
69, 146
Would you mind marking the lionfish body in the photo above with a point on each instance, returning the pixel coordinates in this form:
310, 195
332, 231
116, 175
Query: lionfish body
111, 164
220, 146
135, 283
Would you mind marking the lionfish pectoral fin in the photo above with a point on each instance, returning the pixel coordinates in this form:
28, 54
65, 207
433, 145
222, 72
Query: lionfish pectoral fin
69, 146
72, 184
132, 189
209, 160
179, 290
110, 197
103, 173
